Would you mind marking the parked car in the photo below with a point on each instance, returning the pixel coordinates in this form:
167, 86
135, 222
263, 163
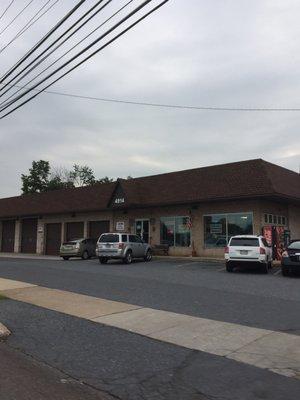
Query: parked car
290, 261
84, 248
248, 250
122, 246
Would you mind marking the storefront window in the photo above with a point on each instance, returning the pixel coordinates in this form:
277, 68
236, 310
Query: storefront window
239, 224
215, 231
219, 228
175, 231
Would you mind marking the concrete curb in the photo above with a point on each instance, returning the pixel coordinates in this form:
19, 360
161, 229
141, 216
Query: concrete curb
4, 332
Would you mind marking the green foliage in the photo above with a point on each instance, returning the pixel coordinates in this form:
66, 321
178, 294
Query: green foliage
106, 179
37, 179
41, 179
82, 176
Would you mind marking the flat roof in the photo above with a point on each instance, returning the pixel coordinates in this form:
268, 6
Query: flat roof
239, 180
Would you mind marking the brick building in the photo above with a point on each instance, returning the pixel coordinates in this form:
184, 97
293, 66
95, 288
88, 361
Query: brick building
195, 211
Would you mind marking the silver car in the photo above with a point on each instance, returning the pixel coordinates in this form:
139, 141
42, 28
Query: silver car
84, 248
122, 246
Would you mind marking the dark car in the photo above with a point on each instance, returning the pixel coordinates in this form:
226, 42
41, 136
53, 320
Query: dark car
291, 258
84, 248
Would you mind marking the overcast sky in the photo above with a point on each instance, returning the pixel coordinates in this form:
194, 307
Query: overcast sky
211, 53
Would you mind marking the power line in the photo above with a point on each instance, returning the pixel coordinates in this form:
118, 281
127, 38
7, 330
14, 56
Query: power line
13, 20
64, 54
30, 23
35, 47
7, 8
164, 105
137, 9
98, 50
51, 45
177, 106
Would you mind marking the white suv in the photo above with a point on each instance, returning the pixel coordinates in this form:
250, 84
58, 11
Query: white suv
248, 250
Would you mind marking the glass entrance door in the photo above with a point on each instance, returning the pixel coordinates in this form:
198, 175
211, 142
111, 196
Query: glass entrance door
142, 229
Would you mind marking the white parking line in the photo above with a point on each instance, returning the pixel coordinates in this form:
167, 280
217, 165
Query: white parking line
221, 269
185, 264
277, 272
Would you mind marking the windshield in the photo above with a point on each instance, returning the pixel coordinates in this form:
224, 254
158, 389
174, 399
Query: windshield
109, 238
294, 245
247, 242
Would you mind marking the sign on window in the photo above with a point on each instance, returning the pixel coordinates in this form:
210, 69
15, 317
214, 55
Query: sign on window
120, 226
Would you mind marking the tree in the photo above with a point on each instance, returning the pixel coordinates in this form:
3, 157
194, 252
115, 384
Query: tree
82, 176
42, 179
37, 179
106, 179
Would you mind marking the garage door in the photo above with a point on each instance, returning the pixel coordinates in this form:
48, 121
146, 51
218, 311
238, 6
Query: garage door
74, 230
8, 236
29, 235
96, 228
53, 239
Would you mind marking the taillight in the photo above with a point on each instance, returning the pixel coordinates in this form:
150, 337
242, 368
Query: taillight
121, 245
262, 250
226, 250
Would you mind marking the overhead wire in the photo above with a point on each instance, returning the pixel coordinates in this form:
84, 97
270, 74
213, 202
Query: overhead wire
63, 55
115, 26
7, 84
30, 23
97, 50
166, 105
13, 20
43, 40
6, 9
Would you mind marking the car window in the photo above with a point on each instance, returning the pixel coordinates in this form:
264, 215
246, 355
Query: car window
70, 243
265, 243
124, 238
294, 245
109, 238
132, 239
247, 242
138, 239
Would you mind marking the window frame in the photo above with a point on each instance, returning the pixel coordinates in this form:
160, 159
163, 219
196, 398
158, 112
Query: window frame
225, 215
174, 222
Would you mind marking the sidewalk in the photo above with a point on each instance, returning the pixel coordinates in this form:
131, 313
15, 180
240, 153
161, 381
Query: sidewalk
57, 258
266, 349
29, 256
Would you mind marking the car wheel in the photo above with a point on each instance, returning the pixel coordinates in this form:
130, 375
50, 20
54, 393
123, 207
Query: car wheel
148, 256
128, 257
229, 267
265, 268
103, 260
85, 255
66, 258
285, 271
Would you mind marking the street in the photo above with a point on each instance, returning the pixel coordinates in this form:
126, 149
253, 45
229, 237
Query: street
126, 365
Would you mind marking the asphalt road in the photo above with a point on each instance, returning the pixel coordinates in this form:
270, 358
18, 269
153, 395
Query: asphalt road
192, 288
129, 366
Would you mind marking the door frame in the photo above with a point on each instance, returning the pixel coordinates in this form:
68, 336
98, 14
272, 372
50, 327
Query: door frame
142, 220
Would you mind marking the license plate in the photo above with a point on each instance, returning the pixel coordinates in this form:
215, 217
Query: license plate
244, 252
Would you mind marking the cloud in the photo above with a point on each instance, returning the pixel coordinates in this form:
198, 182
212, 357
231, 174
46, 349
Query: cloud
203, 53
